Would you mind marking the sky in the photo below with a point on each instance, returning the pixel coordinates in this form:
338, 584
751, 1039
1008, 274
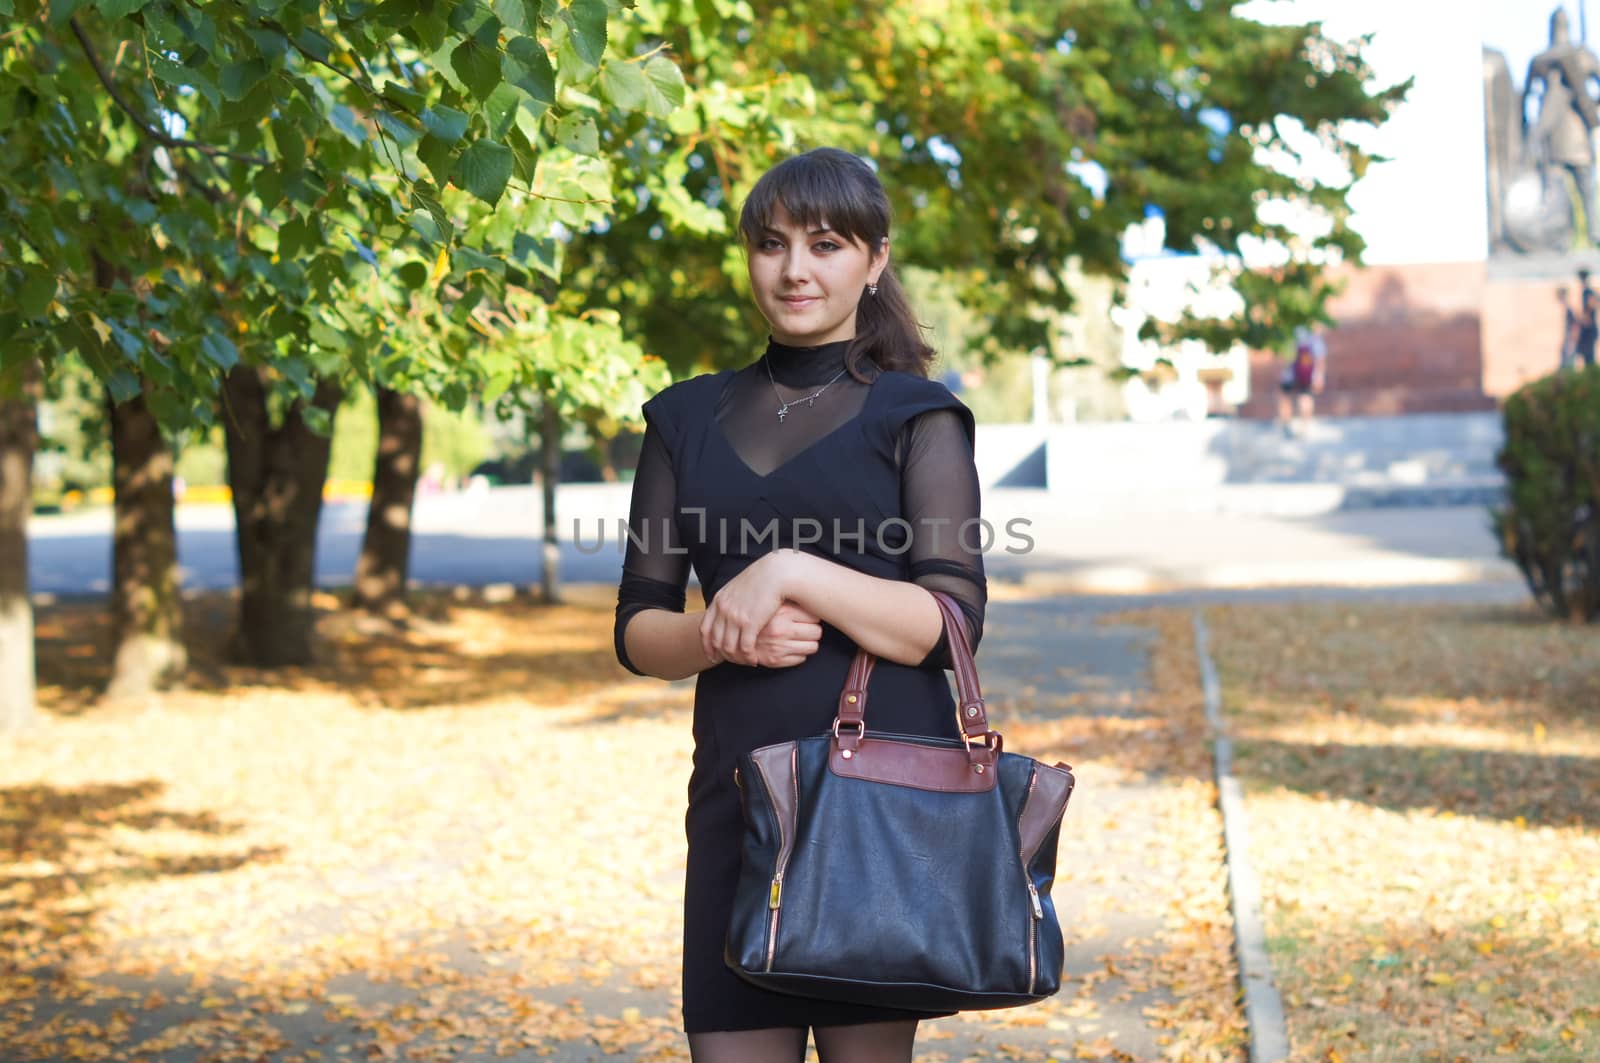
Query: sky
1427, 204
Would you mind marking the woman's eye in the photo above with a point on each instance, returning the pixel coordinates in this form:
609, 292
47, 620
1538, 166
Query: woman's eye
827, 245
769, 244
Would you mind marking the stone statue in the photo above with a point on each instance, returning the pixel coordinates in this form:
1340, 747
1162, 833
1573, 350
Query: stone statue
1503, 145
1561, 139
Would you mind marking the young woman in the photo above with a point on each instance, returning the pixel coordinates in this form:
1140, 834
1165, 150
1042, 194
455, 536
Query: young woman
819, 493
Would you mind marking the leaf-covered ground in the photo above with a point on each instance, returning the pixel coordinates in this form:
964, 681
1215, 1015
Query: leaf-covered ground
1423, 792
465, 841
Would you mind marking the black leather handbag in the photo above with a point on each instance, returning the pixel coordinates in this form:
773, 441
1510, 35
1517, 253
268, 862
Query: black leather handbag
899, 870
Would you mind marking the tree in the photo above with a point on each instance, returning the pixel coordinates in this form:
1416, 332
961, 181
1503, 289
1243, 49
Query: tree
381, 570
281, 150
1013, 139
18, 437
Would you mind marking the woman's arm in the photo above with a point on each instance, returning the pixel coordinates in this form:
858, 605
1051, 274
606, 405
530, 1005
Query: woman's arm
666, 644
653, 634
889, 618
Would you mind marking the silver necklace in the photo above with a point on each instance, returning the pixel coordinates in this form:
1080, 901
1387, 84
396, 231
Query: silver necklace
809, 400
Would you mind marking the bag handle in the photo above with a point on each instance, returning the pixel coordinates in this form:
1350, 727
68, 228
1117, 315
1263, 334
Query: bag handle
971, 715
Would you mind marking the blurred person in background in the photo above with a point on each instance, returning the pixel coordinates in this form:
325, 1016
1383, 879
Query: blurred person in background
1303, 377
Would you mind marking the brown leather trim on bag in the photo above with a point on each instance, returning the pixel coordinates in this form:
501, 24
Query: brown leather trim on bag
908, 764
1051, 789
971, 713
776, 763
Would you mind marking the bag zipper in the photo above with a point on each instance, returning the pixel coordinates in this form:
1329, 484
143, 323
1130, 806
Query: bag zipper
1027, 876
775, 893
1033, 894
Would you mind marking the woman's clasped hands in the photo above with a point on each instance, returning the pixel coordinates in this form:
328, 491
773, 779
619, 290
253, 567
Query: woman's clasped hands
750, 622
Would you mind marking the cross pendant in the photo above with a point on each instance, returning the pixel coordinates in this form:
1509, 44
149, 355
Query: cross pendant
781, 411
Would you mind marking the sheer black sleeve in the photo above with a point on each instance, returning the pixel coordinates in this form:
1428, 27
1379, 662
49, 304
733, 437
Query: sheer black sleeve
655, 566
939, 496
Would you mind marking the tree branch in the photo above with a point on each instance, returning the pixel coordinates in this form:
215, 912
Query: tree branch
365, 86
161, 137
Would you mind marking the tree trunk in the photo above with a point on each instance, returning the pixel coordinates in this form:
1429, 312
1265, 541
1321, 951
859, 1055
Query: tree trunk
19, 436
146, 611
550, 442
386, 551
276, 475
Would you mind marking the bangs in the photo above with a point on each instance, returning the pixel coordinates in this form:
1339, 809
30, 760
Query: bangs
815, 189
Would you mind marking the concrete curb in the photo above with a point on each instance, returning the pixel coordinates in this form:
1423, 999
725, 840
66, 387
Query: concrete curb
1263, 1007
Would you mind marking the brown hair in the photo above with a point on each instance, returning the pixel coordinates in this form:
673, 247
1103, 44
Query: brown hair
833, 186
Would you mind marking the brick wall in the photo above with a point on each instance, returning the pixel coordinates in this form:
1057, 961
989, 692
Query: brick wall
1409, 339
1522, 325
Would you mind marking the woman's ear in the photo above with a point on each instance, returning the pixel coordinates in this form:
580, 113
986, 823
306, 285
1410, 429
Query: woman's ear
880, 261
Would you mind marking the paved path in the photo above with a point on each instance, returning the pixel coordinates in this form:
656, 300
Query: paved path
1055, 547
1045, 663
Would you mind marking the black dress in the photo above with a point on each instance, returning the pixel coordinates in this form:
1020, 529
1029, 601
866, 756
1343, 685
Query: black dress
721, 481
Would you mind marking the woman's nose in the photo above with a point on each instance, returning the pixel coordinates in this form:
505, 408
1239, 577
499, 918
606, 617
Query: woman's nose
796, 267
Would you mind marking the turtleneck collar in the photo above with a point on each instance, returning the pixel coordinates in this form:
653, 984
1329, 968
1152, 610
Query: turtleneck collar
805, 367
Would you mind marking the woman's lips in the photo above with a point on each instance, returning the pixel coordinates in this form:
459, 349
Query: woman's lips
799, 302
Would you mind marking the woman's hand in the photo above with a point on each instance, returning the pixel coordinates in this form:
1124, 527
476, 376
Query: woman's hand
792, 635
749, 622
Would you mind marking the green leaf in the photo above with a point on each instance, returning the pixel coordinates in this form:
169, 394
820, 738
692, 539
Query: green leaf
123, 385
314, 43
268, 184
483, 169
666, 87
500, 109
425, 226
543, 254
395, 13
38, 288
109, 8
218, 348
577, 132
445, 123
404, 96
177, 74
477, 67
316, 418
400, 131
527, 66
239, 78
588, 21
624, 85
516, 15
201, 29
414, 274
466, 16
474, 259
428, 29
291, 237
345, 121
290, 145
62, 10
438, 156
325, 335
273, 45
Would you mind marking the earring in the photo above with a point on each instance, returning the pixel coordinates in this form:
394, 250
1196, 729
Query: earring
872, 289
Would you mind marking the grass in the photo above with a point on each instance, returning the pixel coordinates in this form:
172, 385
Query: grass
1423, 790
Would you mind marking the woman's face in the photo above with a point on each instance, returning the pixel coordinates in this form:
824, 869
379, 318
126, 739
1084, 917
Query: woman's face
808, 284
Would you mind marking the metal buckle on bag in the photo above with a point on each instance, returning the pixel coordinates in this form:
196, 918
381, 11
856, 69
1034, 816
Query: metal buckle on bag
989, 741
849, 743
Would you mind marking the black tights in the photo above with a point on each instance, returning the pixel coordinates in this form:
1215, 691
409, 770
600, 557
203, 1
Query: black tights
875, 1042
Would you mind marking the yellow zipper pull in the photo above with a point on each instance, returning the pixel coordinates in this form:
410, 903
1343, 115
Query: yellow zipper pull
777, 892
